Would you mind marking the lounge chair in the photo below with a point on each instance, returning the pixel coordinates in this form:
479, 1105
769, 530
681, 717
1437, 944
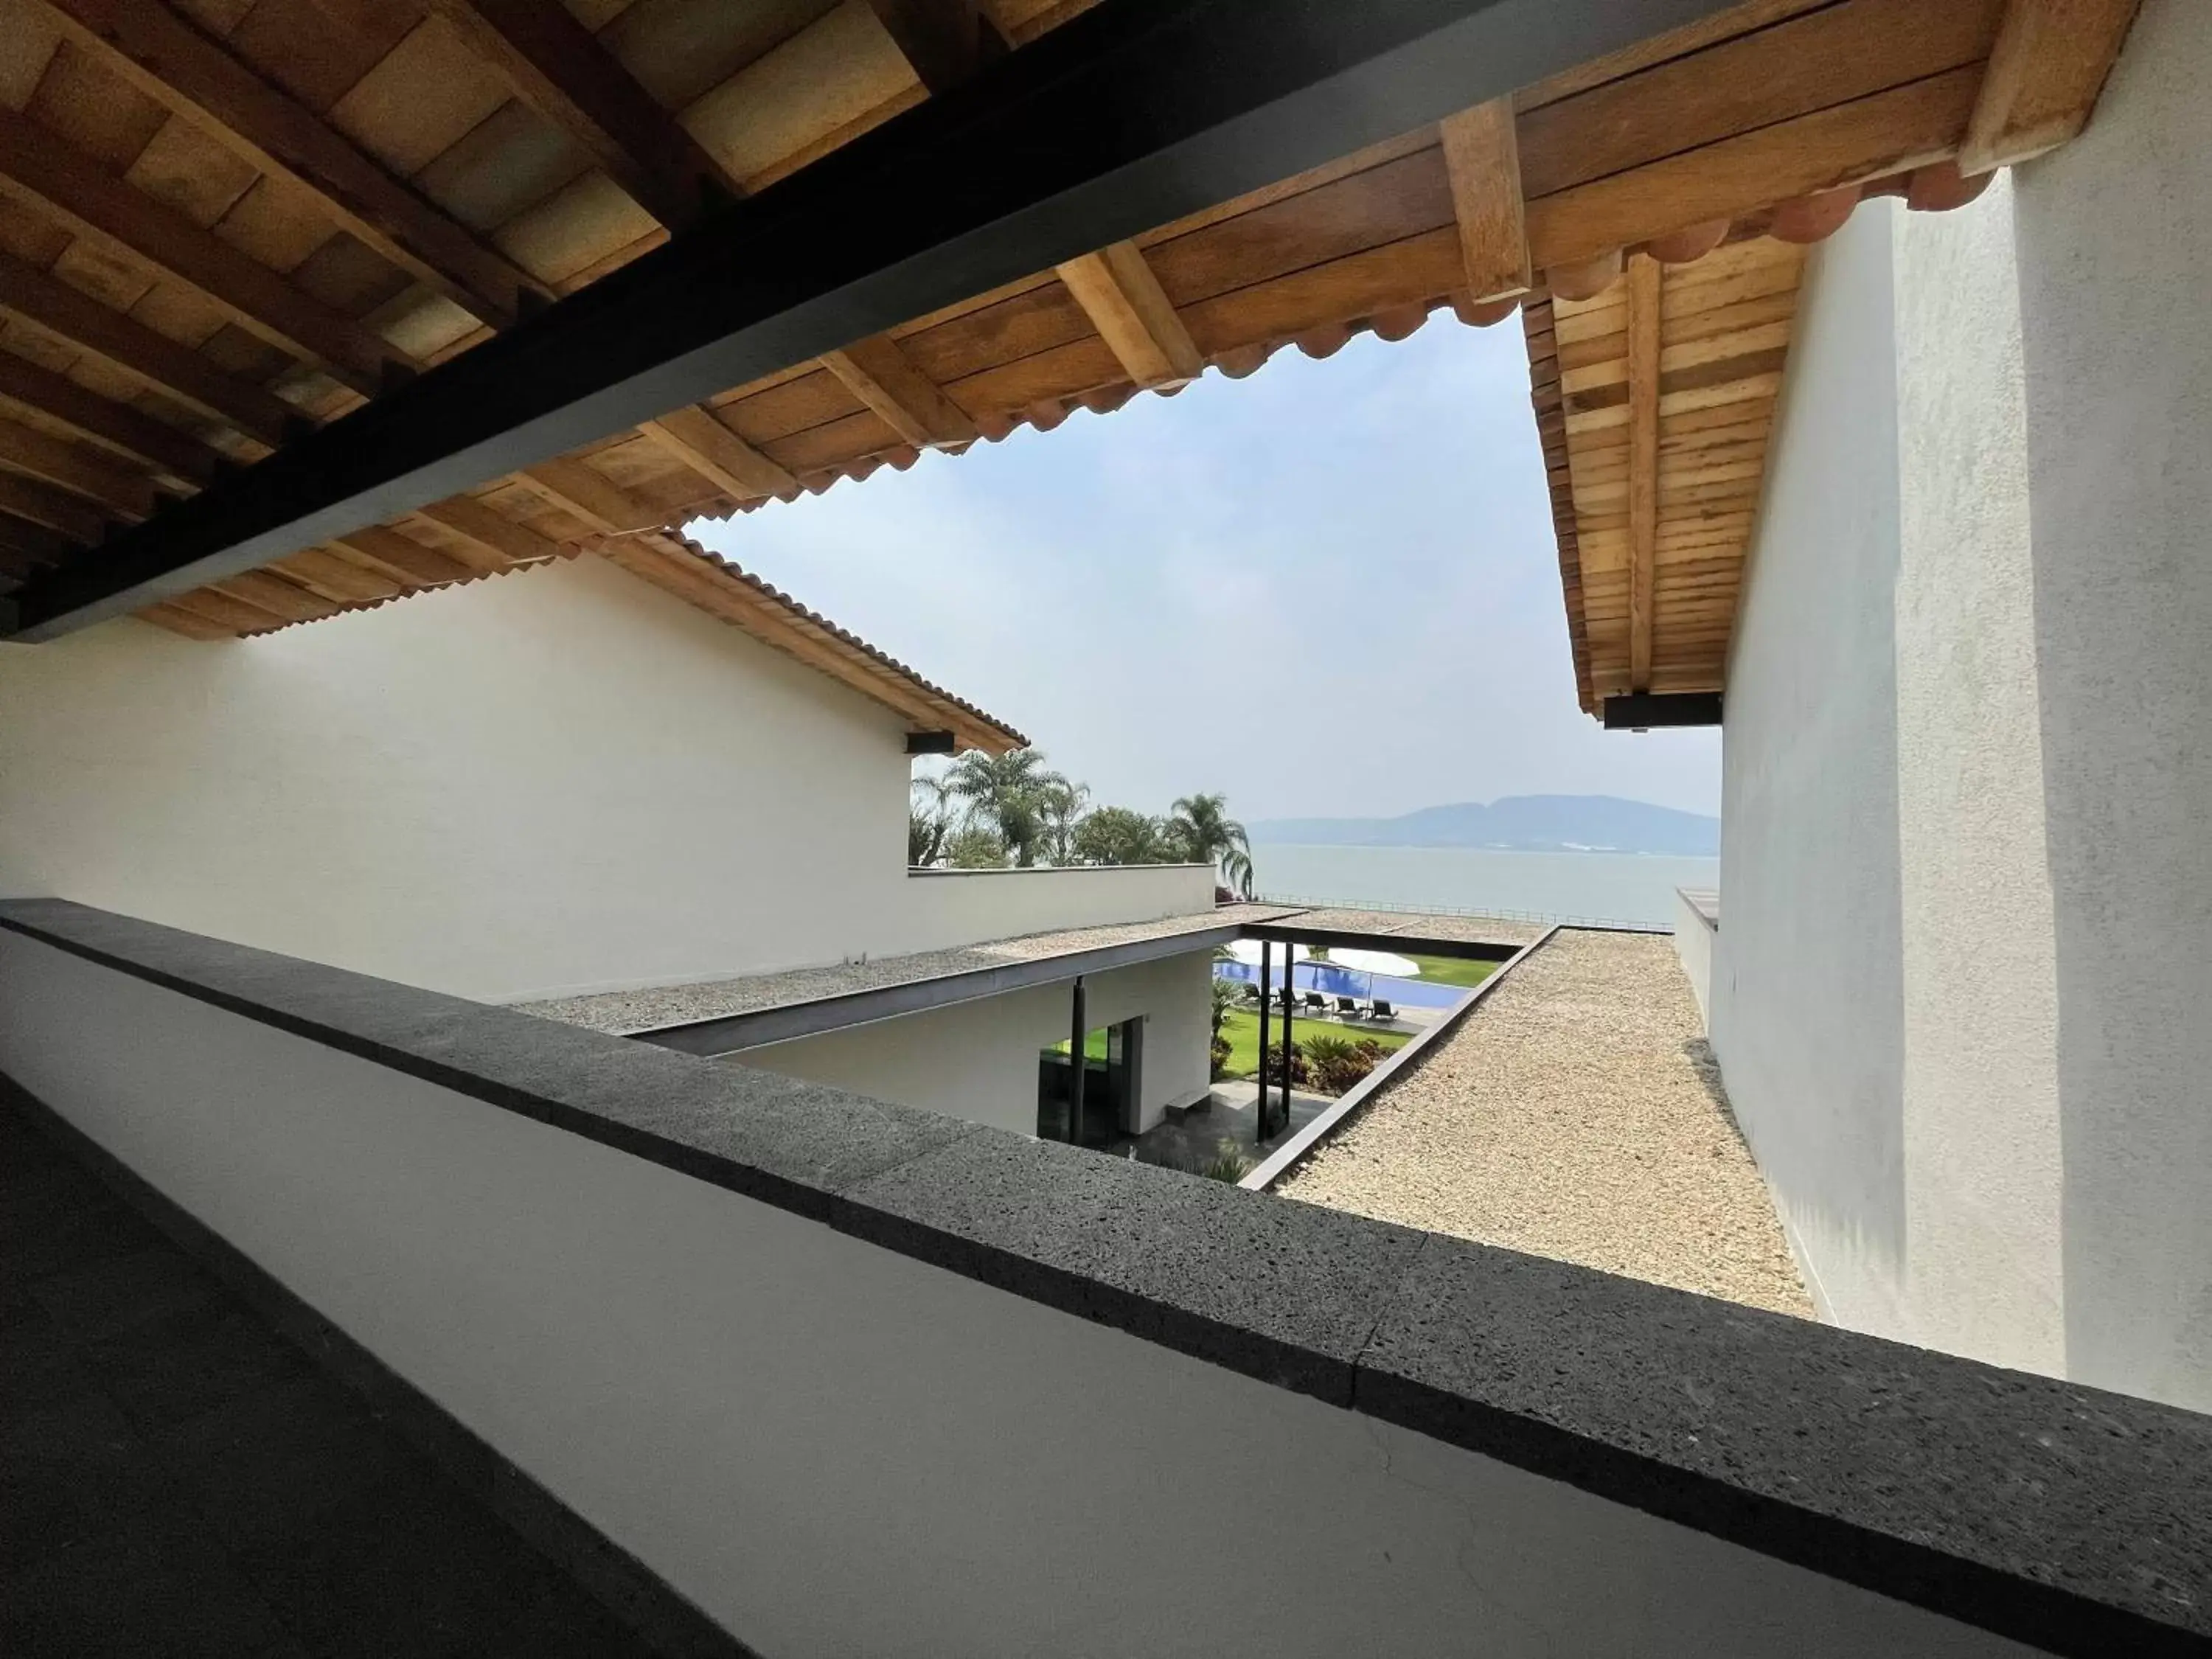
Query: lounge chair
1382, 1010
1315, 1003
1346, 1008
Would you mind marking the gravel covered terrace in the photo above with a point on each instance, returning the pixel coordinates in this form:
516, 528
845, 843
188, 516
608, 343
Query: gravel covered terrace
1576, 1114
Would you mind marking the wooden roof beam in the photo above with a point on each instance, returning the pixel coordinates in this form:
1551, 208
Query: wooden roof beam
89, 201
696, 437
2045, 72
944, 40
403, 556
57, 509
126, 494
1126, 304
881, 376
116, 337
590, 496
1645, 277
177, 455
23, 544
163, 56
499, 538
1482, 159
559, 68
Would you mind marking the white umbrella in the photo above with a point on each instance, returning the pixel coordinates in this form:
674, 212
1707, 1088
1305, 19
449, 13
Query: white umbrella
1376, 962
1247, 950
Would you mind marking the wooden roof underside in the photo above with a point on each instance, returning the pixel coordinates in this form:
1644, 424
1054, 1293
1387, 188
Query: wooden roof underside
228, 221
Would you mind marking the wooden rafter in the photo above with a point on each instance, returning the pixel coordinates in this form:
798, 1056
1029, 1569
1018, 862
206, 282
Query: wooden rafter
92, 202
57, 509
176, 455
162, 55
118, 338
1132, 313
590, 496
882, 376
504, 541
558, 67
23, 544
944, 40
76, 467
338, 578
1482, 159
717, 454
1645, 277
402, 556
2049, 65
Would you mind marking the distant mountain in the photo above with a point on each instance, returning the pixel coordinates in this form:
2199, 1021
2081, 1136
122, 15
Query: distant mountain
1547, 823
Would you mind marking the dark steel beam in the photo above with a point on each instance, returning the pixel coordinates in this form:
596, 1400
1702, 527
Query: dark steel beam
930, 743
1134, 114
1644, 710
1467, 949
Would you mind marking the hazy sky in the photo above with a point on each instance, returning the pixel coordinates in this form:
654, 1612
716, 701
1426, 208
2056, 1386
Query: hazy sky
1330, 589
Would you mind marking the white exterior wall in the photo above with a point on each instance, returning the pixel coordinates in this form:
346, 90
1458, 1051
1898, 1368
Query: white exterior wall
1693, 947
834, 1449
1805, 1015
979, 1059
2115, 237
1969, 891
555, 782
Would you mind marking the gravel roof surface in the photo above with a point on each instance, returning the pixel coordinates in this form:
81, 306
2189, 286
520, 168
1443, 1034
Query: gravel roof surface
1576, 1113
621, 1011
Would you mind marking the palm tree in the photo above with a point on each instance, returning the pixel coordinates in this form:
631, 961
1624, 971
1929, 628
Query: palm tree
1009, 792
927, 821
1061, 804
1201, 827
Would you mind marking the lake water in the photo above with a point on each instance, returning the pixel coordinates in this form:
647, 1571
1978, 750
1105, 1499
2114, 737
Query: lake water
1589, 886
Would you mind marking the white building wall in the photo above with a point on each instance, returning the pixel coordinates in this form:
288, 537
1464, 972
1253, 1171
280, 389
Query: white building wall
1805, 1013
1968, 887
2115, 238
552, 783
979, 1059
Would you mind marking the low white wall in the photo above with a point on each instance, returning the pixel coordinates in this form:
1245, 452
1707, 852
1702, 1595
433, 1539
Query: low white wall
979, 1059
834, 1449
1693, 947
556, 782
959, 907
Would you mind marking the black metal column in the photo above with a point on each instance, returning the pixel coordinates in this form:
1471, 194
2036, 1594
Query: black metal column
1075, 1071
1259, 1118
1290, 1042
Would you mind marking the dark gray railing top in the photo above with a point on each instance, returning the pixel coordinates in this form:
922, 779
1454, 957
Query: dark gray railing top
2064, 1516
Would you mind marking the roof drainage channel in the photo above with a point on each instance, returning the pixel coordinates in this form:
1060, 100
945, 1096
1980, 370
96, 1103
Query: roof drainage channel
2061, 1516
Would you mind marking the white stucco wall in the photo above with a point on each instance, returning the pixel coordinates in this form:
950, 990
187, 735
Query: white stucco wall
1805, 1013
979, 1059
1968, 887
559, 782
2115, 237
834, 1449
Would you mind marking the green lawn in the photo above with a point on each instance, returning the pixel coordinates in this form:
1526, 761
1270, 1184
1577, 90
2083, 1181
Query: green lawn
1453, 970
1094, 1044
1242, 1028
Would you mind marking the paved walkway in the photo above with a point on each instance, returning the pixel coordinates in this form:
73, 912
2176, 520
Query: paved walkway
177, 1480
1223, 1122
1576, 1114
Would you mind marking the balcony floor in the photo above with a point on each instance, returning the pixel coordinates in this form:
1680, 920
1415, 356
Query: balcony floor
177, 1479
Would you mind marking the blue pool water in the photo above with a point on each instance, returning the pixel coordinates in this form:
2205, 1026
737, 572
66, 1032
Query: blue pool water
1332, 981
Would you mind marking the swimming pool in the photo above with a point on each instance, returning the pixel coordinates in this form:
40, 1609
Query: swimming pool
1329, 980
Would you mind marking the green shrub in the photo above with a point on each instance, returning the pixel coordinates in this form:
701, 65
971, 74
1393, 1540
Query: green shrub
1335, 1064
